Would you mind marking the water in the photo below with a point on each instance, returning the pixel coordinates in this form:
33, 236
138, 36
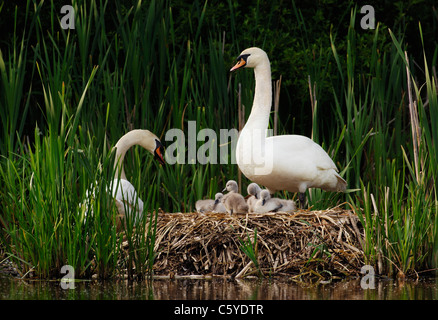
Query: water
216, 289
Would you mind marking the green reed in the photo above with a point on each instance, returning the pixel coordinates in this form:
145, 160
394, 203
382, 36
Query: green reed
249, 247
12, 92
390, 170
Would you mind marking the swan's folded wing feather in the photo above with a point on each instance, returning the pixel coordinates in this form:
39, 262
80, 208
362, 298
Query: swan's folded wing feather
303, 148
124, 191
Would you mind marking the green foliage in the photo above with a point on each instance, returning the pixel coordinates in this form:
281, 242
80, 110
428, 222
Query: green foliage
249, 247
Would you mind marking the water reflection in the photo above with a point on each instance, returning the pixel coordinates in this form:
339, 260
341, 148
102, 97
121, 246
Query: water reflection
217, 289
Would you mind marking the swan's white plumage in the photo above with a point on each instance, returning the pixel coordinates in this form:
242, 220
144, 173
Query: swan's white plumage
286, 162
298, 163
122, 190
126, 197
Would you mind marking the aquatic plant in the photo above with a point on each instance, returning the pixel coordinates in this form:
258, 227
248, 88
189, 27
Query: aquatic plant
249, 247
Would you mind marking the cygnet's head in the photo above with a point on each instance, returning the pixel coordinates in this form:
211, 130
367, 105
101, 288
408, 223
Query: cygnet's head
231, 186
265, 196
253, 189
251, 58
218, 198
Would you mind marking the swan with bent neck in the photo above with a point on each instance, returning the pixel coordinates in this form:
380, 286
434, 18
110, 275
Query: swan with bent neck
122, 190
286, 162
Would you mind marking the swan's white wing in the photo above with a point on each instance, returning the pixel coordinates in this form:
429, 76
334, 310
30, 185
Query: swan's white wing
124, 194
293, 163
301, 147
124, 191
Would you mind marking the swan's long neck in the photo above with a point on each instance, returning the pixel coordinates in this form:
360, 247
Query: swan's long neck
251, 155
259, 117
122, 146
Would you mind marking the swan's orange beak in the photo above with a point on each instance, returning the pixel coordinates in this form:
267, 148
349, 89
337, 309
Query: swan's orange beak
241, 63
158, 153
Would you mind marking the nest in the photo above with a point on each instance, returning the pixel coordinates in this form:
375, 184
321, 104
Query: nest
326, 243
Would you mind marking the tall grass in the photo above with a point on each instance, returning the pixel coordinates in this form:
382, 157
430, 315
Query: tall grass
398, 197
125, 68
13, 72
385, 134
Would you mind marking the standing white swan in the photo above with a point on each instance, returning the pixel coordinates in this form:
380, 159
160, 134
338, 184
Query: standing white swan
122, 190
286, 162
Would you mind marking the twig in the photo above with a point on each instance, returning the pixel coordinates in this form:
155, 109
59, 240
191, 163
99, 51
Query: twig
415, 128
243, 271
276, 104
241, 117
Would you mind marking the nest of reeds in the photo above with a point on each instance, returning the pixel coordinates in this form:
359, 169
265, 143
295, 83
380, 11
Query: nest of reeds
324, 243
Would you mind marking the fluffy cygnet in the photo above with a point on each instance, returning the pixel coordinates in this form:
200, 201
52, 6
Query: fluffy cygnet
204, 205
268, 204
209, 205
231, 186
233, 202
254, 195
288, 205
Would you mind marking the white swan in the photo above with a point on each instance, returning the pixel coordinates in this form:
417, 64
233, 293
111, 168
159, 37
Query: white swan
122, 190
286, 162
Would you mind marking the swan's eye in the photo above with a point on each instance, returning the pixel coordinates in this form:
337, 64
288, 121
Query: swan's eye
159, 151
243, 57
241, 62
